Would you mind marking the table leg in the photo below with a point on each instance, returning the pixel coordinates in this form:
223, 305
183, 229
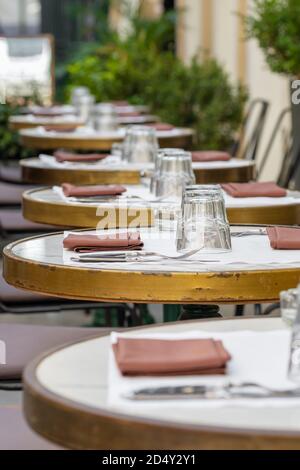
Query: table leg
195, 312
171, 312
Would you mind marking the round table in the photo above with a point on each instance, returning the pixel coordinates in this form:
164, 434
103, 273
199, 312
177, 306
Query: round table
37, 172
38, 138
29, 121
251, 273
66, 392
44, 205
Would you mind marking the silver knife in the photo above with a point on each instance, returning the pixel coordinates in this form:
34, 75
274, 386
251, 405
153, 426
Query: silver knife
210, 392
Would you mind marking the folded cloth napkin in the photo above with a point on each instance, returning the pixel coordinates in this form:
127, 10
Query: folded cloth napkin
284, 238
120, 103
129, 114
61, 156
254, 190
71, 190
82, 243
170, 357
161, 126
48, 112
210, 156
53, 128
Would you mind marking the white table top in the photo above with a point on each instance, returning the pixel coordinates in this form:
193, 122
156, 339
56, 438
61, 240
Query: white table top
144, 197
249, 253
79, 374
85, 133
124, 166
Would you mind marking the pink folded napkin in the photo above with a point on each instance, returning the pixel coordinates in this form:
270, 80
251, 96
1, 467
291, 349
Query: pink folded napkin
120, 103
161, 126
210, 156
254, 190
129, 114
140, 356
61, 130
84, 243
97, 190
48, 111
62, 156
284, 238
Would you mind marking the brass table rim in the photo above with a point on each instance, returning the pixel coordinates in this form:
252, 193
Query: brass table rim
207, 287
37, 391
60, 213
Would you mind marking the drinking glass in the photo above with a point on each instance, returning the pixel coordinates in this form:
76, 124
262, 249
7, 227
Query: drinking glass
289, 305
77, 93
174, 174
105, 117
84, 108
156, 172
203, 223
140, 144
292, 302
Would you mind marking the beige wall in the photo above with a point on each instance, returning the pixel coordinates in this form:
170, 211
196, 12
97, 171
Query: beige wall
215, 23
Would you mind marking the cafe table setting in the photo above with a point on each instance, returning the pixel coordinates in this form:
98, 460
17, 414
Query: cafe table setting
222, 384
82, 205
128, 162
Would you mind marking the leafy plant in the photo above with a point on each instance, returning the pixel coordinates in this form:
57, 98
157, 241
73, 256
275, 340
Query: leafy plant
276, 26
143, 68
10, 146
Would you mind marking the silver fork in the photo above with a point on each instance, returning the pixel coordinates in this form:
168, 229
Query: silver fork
137, 256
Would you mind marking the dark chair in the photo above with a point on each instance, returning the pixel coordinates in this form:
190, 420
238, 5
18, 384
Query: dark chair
25, 342
11, 173
15, 434
251, 132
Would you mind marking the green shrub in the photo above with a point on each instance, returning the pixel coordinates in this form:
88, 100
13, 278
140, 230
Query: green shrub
276, 26
9, 141
143, 69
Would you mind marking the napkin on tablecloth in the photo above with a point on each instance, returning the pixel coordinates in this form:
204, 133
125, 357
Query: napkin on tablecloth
61, 156
61, 130
210, 156
254, 189
71, 190
129, 114
161, 126
170, 357
83, 243
284, 238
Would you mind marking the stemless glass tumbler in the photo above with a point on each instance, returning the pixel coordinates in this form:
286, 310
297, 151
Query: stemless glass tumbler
174, 174
203, 223
140, 145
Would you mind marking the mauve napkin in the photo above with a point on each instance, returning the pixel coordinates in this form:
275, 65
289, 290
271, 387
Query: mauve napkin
254, 190
82, 243
129, 114
210, 156
161, 126
71, 190
48, 112
170, 357
284, 238
61, 130
61, 156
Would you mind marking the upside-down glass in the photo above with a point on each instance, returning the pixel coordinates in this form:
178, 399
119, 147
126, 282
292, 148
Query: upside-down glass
208, 189
289, 305
156, 171
203, 223
105, 117
77, 93
84, 108
140, 145
175, 173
